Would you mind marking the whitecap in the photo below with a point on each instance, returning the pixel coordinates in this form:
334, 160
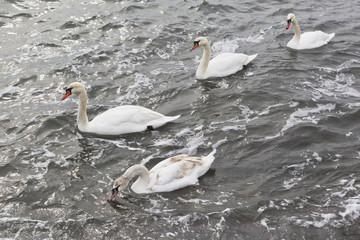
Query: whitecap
10, 90
48, 153
292, 182
317, 157
165, 142
161, 53
141, 82
224, 46
264, 222
352, 208
306, 115
319, 220
21, 220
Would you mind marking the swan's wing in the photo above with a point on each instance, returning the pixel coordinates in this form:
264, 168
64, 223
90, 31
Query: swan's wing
128, 113
176, 172
315, 39
226, 64
124, 119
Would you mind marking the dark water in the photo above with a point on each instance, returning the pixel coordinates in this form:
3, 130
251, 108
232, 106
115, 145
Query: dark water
286, 128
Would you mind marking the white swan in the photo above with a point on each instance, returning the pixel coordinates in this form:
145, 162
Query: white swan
168, 175
307, 40
118, 120
222, 65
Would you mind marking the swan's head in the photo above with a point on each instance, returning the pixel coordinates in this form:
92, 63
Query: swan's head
114, 192
74, 87
200, 41
290, 18
119, 185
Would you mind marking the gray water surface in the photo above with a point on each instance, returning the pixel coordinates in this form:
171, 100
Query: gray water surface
286, 127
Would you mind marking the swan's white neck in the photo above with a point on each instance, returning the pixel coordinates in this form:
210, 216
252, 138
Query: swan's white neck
141, 183
204, 60
82, 118
296, 29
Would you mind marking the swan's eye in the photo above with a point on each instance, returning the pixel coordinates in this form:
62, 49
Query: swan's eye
289, 21
196, 42
116, 189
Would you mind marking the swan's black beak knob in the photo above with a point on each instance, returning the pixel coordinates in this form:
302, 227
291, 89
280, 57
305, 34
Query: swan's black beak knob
115, 191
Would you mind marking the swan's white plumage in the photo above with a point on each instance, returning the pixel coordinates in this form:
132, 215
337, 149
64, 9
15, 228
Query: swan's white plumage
307, 40
177, 172
126, 119
118, 120
168, 175
222, 65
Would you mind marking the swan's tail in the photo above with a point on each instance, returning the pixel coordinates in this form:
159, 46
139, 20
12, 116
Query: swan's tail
250, 58
210, 158
161, 121
171, 118
331, 35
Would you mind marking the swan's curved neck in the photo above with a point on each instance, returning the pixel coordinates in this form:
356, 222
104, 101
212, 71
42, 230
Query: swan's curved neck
296, 28
143, 180
82, 118
205, 59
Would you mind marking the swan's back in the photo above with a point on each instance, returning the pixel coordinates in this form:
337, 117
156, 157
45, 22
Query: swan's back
178, 172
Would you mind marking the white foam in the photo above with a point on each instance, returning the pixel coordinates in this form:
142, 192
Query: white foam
306, 115
339, 86
261, 209
254, 39
193, 144
184, 132
345, 208
297, 169
235, 124
319, 220
264, 222
9, 90
349, 187
352, 208
347, 64
292, 182
349, 134
161, 53
165, 142
199, 128
195, 200
121, 143
48, 153
224, 46
317, 157
141, 81
21, 220
39, 166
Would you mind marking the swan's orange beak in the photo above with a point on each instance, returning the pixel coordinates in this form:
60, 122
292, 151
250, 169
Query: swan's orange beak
113, 194
196, 44
68, 93
288, 23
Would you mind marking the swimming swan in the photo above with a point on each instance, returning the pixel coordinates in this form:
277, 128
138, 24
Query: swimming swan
168, 175
118, 120
307, 40
222, 65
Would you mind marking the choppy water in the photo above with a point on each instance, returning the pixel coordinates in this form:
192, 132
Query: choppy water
286, 128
